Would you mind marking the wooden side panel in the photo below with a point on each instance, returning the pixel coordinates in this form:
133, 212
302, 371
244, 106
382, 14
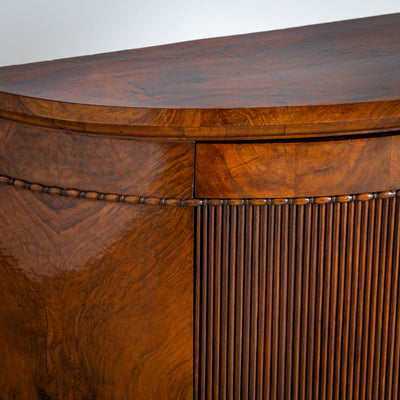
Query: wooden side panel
297, 169
96, 299
309, 301
96, 163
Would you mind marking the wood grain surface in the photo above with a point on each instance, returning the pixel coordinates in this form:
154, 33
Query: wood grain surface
276, 272
296, 169
96, 299
332, 78
96, 163
298, 301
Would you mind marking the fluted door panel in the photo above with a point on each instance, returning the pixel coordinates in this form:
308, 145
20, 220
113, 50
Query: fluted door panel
298, 299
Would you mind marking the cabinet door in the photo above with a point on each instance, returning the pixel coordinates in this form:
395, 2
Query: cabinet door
299, 300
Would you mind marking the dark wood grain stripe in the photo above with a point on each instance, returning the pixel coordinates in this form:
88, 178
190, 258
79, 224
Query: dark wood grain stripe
210, 301
372, 357
217, 300
333, 301
254, 302
283, 292
348, 268
232, 300
367, 301
305, 305
362, 209
224, 301
269, 299
262, 300
197, 300
387, 296
247, 302
291, 271
298, 266
326, 278
203, 311
312, 303
239, 302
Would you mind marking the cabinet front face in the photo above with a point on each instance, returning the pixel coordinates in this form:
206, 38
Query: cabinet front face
241, 296
242, 240
298, 300
298, 297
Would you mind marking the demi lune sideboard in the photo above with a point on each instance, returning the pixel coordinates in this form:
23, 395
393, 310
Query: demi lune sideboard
216, 219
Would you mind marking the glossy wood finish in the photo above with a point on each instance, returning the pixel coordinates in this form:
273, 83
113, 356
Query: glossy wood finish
331, 78
300, 300
96, 299
96, 163
242, 239
297, 169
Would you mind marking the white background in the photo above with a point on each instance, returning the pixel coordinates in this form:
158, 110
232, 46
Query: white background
36, 30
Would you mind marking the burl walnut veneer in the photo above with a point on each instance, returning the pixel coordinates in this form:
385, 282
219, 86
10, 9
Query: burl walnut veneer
217, 219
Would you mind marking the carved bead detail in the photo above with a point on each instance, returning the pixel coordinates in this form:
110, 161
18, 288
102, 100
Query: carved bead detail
190, 202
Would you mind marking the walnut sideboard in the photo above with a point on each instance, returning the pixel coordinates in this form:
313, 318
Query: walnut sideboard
216, 219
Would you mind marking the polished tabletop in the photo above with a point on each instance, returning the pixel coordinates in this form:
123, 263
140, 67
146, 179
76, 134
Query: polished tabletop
338, 72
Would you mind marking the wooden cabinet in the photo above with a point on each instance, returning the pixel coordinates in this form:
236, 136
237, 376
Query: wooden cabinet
217, 219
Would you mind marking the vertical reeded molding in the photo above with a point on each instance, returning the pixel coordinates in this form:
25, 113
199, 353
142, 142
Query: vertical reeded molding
325, 265
232, 300
197, 299
362, 261
298, 268
239, 302
262, 305
202, 364
247, 302
254, 302
372, 344
396, 313
304, 299
210, 301
298, 300
269, 301
367, 300
291, 270
224, 303
217, 300
394, 337
333, 295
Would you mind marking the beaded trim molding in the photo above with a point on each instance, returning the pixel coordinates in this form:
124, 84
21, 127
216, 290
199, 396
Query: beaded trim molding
191, 202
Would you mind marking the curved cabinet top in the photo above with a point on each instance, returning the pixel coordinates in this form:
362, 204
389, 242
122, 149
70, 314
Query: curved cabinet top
327, 79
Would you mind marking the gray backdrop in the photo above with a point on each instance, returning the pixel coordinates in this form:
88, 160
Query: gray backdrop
35, 30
